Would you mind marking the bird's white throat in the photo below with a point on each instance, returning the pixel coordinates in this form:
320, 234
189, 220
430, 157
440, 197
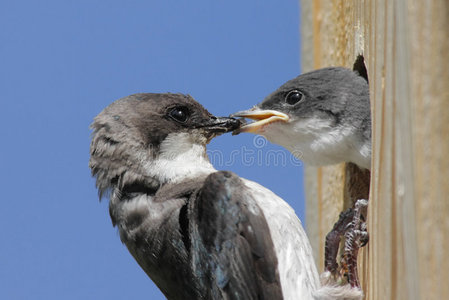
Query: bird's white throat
180, 156
319, 142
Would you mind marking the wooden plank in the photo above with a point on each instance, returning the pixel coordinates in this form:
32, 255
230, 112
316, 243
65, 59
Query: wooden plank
406, 49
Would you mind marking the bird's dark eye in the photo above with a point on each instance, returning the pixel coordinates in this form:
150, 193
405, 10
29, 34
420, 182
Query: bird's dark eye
293, 97
180, 114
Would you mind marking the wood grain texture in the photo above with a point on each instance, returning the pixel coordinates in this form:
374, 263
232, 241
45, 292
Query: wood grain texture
406, 49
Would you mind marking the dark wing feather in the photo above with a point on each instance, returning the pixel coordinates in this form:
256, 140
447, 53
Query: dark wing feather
235, 252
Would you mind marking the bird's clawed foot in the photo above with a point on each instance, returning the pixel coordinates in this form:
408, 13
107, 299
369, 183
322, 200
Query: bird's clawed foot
351, 224
356, 236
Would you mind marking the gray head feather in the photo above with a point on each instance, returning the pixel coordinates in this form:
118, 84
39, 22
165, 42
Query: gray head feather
127, 133
335, 92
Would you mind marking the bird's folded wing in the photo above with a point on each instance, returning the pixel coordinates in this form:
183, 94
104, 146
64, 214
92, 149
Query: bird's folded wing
236, 252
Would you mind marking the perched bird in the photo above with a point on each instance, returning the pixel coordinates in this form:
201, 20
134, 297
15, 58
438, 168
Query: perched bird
322, 117
198, 233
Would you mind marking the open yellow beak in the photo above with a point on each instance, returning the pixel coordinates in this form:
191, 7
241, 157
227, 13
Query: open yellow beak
262, 117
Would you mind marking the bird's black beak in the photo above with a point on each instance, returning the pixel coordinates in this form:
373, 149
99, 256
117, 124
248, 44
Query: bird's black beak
218, 125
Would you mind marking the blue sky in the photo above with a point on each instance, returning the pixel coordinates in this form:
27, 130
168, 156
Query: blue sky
62, 62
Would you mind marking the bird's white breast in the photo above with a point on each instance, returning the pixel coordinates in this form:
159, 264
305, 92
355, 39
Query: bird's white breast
297, 270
